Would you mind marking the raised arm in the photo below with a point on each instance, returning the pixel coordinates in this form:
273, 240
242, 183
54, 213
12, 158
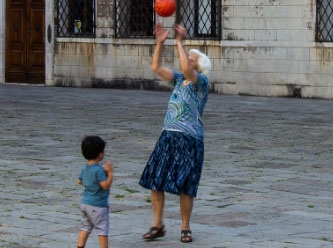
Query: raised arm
161, 35
188, 66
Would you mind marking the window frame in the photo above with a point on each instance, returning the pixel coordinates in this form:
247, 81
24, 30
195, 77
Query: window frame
122, 20
124, 23
321, 23
215, 30
66, 21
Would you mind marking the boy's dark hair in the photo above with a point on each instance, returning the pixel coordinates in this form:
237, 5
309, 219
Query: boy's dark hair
92, 146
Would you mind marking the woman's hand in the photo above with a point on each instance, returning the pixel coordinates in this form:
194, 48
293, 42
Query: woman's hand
160, 33
180, 33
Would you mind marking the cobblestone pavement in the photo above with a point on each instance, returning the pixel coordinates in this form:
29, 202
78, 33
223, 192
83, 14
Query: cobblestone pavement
267, 180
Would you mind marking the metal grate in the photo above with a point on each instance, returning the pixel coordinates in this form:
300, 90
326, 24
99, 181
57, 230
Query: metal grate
134, 18
202, 18
75, 18
324, 30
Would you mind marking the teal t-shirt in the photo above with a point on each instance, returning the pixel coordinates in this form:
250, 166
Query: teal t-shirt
186, 105
93, 194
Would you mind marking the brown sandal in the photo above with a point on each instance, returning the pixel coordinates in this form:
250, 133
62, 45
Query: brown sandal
186, 236
154, 233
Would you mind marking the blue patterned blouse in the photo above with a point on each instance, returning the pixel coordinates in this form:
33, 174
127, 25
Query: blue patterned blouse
186, 105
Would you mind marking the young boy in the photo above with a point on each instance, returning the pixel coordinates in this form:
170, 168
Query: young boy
97, 182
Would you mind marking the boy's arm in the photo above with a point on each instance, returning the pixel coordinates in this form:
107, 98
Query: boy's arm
109, 173
79, 179
107, 183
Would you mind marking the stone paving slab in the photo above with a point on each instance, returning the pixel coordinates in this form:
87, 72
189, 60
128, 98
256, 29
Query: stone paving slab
267, 179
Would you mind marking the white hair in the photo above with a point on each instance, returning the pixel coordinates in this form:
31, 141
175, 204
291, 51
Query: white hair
204, 62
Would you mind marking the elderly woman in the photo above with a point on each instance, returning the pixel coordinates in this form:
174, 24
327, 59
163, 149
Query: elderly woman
176, 162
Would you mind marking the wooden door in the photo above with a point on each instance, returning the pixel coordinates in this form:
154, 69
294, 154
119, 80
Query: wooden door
25, 41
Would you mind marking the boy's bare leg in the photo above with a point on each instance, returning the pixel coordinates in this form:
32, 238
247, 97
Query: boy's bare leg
82, 239
103, 241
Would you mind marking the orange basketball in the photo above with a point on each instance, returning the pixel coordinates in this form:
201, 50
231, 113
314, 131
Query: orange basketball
165, 8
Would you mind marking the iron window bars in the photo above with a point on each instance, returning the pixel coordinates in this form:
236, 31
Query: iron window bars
201, 18
76, 18
136, 18
324, 27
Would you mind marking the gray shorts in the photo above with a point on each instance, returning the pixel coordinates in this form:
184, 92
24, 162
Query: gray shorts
95, 217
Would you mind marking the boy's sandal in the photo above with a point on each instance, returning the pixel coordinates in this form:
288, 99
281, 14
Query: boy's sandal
154, 233
186, 236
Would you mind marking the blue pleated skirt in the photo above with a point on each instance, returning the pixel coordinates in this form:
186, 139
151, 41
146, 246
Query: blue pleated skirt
175, 164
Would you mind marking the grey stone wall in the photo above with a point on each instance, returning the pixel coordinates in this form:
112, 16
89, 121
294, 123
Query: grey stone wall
105, 19
268, 49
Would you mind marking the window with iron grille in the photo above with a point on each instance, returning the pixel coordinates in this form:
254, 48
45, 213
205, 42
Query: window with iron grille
75, 18
324, 30
201, 18
136, 18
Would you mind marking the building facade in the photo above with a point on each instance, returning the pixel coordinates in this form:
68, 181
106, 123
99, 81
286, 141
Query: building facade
257, 47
